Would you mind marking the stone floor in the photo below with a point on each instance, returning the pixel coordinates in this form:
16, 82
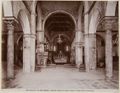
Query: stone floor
63, 78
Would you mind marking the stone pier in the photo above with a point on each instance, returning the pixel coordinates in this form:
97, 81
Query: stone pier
10, 49
79, 48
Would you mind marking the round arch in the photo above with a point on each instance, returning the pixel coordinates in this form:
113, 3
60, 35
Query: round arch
94, 21
24, 21
58, 11
100, 51
7, 8
111, 8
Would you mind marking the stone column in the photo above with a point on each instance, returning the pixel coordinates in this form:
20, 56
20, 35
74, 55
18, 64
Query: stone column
40, 42
79, 48
108, 52
86, 39
33, 32
87, 55
10, 50
109, 23
33, 37
26, 53
92, 51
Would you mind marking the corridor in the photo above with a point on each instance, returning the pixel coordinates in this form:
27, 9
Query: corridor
62, 77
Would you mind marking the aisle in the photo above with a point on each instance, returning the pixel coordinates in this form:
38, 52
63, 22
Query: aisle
61, 78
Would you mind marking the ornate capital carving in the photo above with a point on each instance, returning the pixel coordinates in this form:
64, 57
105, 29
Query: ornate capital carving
109, 22
10, 25
10, 21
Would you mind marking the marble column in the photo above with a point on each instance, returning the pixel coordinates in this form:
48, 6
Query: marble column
10, 50
26, 53
108, 54
79, 48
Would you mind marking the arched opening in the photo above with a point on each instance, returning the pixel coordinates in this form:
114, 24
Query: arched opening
18, 47
115, 52
23, 40
59, 33
100, 51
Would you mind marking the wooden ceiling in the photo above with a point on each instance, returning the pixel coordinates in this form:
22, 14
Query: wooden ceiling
60, 23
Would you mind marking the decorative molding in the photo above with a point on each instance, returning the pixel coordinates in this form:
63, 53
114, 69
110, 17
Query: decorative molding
90, 34
10, 25
33, 36
10, 18
108, 23
10, 22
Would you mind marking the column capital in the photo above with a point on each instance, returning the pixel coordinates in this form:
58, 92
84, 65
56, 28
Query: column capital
10, 21
109, 21
10, 25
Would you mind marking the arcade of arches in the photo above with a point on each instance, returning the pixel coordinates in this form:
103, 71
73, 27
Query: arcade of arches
37, 34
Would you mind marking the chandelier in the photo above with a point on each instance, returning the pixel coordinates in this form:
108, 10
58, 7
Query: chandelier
59, 39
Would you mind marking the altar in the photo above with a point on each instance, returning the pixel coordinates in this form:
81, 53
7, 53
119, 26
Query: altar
60, 58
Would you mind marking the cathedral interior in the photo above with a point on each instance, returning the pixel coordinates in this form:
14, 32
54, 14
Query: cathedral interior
44, 35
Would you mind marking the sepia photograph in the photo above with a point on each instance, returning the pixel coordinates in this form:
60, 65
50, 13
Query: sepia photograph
60, 45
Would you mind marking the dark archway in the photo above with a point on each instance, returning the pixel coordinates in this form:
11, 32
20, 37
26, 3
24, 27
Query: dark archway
59, 31
115, 52
100, 51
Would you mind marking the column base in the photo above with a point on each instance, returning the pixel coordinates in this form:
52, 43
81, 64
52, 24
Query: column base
77, 66
10, 78
108, 78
